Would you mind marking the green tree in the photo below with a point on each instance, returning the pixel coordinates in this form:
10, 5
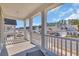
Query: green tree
75, 22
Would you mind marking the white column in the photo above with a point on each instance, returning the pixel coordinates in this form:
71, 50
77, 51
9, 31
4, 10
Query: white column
43, 26
30, 25
25, 33
14, 32
1, 30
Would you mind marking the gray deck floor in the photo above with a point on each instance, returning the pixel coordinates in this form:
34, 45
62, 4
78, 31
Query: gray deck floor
16, 48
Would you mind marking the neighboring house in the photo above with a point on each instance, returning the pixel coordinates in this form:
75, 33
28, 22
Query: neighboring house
57, 30
70, 29
64, 30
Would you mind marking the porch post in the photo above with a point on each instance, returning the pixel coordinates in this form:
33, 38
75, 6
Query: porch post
43, 26
30, 29
14, 32
25, 33
1, 30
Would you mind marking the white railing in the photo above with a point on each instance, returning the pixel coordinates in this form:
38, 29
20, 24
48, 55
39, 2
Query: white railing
11, 40
62, 46
58, 45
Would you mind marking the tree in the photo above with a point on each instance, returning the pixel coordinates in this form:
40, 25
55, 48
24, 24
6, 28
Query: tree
75, 22
61, 22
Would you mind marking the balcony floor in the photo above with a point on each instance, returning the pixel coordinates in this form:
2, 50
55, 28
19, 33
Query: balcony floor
16, 48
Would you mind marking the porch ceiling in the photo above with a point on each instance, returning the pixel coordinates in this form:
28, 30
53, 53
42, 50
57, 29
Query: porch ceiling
20, 10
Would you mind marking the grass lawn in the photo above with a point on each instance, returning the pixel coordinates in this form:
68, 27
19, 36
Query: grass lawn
72, 36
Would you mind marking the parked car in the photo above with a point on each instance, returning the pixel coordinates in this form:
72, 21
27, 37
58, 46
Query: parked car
61, 34
55, 34
36, 31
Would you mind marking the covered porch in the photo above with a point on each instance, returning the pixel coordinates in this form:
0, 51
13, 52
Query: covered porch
24, 40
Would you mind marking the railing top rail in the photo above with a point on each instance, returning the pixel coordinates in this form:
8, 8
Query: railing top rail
71, 39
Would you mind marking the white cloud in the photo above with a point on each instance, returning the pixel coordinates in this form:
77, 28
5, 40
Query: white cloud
68, 11
77, 11
75, 4
73, 16
55, 9
74, 12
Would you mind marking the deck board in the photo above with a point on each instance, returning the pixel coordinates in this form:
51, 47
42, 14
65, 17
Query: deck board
16, 48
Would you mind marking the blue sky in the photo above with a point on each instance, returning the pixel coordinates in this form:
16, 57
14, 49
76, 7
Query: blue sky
37, 20
64, 11
20, 23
